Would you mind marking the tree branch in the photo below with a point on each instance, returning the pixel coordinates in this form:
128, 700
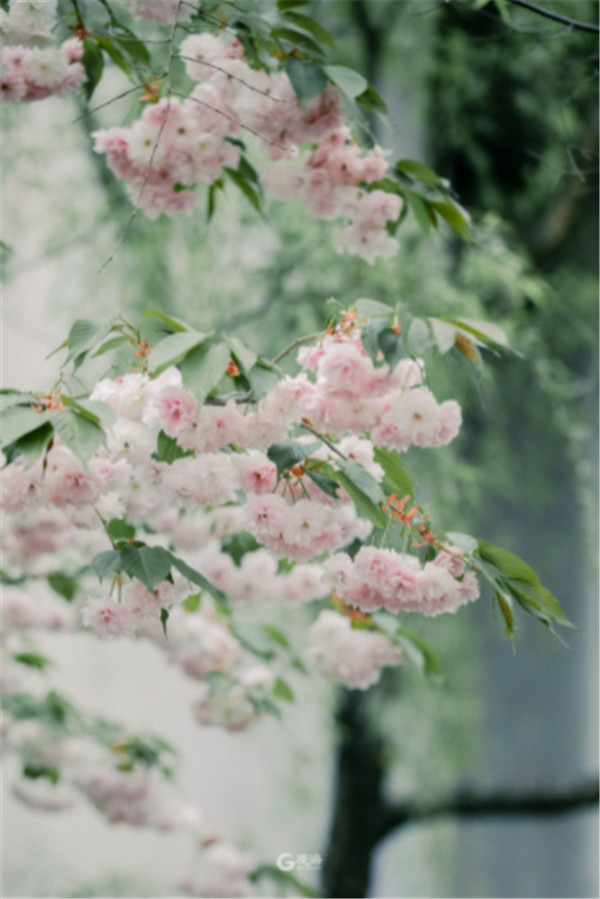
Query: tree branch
556, 17
479, 804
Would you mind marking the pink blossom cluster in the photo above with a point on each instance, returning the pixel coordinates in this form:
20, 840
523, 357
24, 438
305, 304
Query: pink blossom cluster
350, 393
165, 12
385, 579
178, 144
351, 656
24, 611
330, 180
28, 22
34, 73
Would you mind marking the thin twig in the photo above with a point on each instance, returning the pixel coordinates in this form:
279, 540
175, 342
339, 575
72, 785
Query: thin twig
556, 17
324, 440
250, 87
293, 346
231, 118
169, 92
126, 93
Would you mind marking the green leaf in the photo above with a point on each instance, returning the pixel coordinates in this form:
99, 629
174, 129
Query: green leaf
276, 635
173, 324
506, 609
307, 78
297, 38
262, 377
110, 344
538, 601
192, 603
282, 690
464, 541
372, 101
369, 337
507, 562
107, 562
244, 185
33, 772
135, 49
164, 617
119, 529
172, 349
196, 578
81, 435
113, 52
419, 337
238, 544
204, 366
243, 355
367, 308
289, 453
410, 638
65, 586
32, 659
31, 446
149, 564
326, 484
457, 217
421, 210
352, 83
486, 332
93, 63
16, 421
168, 450
363, 490
420, 171
314, 28
443, 334
394, 468
283, 5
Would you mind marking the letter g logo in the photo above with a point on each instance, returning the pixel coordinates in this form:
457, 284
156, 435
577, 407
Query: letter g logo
286, 862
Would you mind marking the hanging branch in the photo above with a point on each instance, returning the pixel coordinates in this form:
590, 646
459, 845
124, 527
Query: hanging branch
557, 17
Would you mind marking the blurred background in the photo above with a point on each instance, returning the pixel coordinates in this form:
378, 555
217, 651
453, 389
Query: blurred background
507, 112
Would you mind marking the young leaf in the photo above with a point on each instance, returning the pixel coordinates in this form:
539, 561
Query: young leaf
244, 185
192, 603
352, 83
77, 432
119, 529
507, 562
311, 26
93, 63
172, 324
32, 659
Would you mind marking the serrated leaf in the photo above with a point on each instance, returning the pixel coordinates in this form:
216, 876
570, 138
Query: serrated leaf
107, 562
507, 562
352, 83
148, 564
363, 490
307, 78
82, 436
204, 366
16, 421
172, 349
